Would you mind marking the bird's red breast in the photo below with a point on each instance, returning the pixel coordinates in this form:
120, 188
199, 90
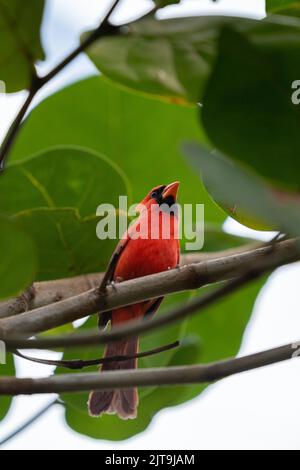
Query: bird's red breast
144, 256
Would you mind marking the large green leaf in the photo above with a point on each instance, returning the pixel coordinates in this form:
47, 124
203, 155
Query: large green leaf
245, 196
20, 45
67, 244
248, 112
62, 177
7, 369
238, 192
173, 58
168, 58
39, 189
17, 251
141, 135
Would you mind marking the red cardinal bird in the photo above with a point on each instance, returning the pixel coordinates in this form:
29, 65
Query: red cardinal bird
135, 257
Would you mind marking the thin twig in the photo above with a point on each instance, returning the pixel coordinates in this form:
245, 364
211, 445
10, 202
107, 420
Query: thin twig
146, 377
30, 421
104, 29
76, 364
129, 292
13, 130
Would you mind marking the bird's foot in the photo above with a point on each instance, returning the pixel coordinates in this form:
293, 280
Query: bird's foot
114, 282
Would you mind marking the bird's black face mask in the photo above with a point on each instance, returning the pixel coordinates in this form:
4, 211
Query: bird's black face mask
166, 202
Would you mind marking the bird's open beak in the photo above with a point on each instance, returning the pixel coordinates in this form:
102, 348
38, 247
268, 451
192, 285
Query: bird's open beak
171, 190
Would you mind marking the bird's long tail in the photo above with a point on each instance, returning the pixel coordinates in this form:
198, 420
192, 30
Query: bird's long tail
121, 402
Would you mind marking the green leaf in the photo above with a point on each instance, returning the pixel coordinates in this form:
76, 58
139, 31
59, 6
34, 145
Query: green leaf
168, 58
239, 193
17, 250
140, 135
248, 111
48, 184
20, 45
173, 59
67, 244
277, 5
242, 194
7, 369
58, 192
64, 176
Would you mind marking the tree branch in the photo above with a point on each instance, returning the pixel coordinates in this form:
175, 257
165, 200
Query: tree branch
104, 29
146, 377
14, 128
134, 327
129, 292
48, 292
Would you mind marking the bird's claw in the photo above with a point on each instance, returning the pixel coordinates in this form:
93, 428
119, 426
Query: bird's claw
112, 284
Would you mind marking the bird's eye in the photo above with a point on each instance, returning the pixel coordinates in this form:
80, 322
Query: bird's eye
154, 194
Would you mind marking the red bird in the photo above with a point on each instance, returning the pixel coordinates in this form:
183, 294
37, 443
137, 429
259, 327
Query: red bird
135, 257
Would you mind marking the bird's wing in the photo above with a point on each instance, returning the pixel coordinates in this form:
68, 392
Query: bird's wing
105, 317
153, 307
109, 274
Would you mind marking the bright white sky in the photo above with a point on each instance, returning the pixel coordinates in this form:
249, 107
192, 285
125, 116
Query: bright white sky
255, 410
